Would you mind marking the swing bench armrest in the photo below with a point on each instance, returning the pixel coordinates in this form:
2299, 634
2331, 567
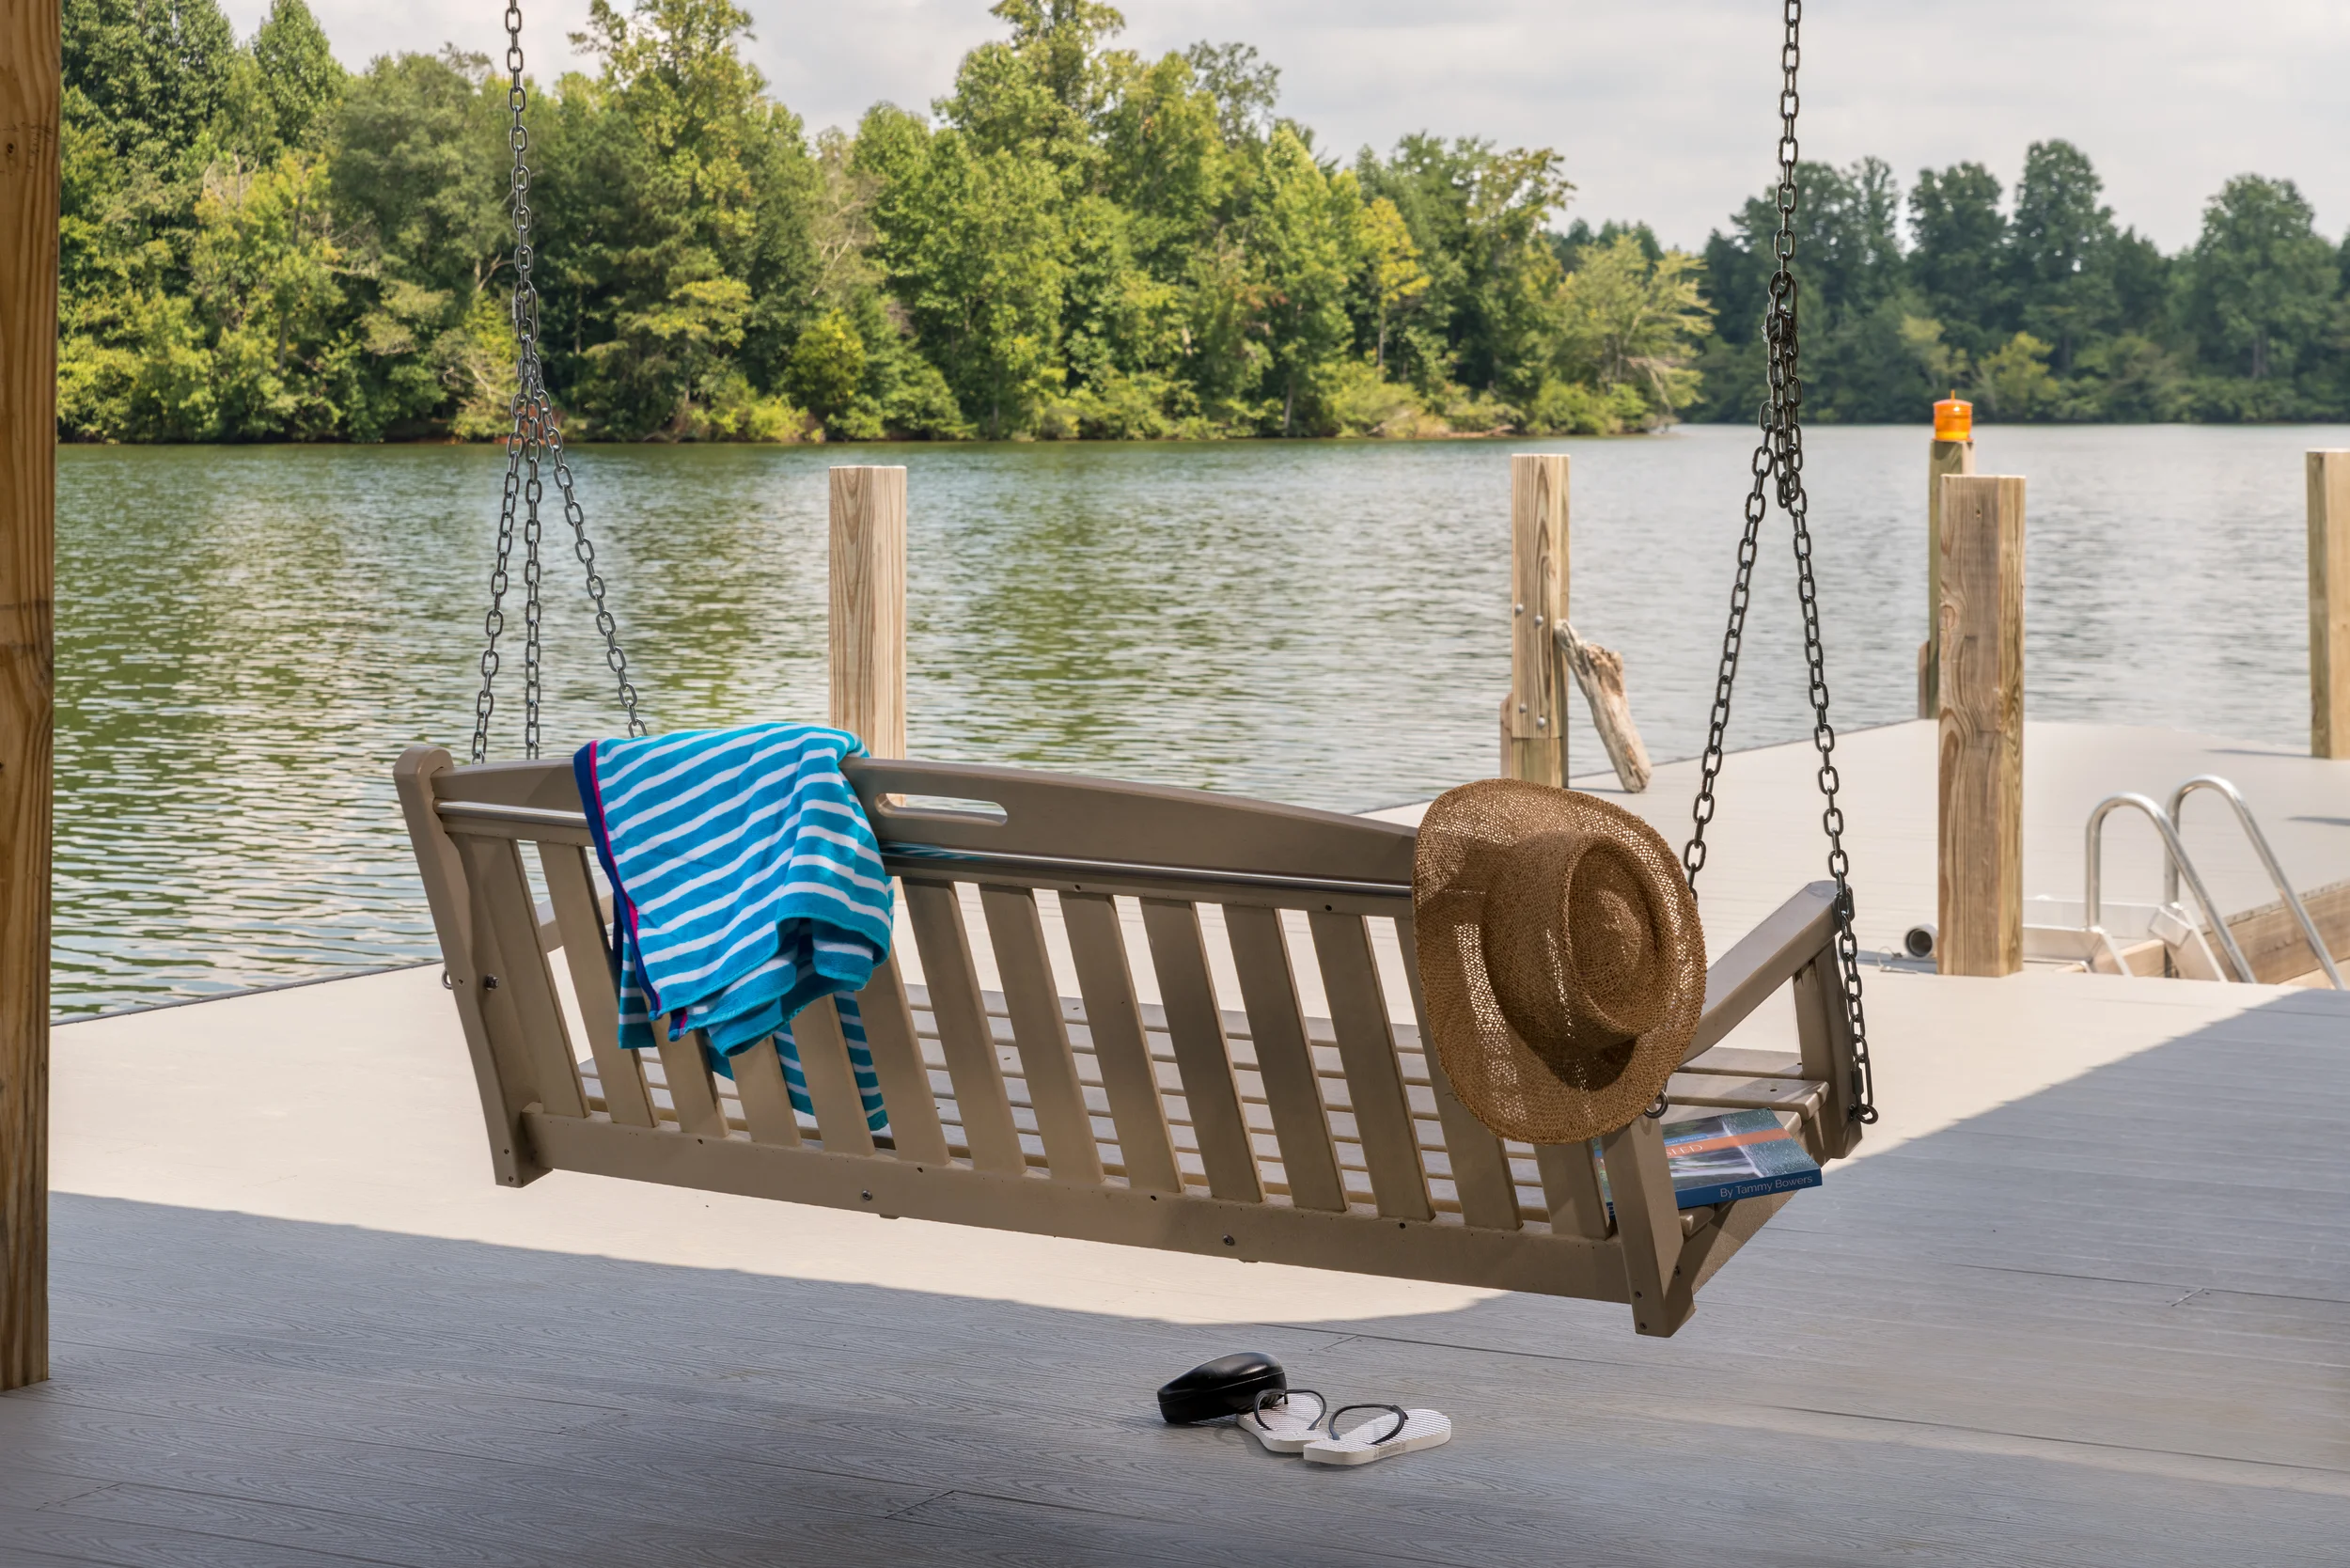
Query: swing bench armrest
1795, 942
1793, 936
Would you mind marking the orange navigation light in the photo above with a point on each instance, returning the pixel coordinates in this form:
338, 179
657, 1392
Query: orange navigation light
1953, 420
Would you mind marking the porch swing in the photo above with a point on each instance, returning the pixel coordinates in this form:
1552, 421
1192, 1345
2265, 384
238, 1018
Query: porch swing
1257, 1133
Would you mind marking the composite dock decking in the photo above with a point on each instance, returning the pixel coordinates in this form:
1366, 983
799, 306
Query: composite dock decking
2084, 1300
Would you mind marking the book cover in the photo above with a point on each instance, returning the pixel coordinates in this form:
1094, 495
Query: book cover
1719, 1156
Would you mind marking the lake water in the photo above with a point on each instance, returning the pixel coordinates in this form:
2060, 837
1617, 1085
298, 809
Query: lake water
248, 637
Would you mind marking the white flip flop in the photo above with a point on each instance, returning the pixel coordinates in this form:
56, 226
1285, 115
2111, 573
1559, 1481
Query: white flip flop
1280, 1428
1383, 1437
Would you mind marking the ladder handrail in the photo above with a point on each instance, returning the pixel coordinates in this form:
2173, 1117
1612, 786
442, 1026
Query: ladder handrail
2092, 910
2229, 792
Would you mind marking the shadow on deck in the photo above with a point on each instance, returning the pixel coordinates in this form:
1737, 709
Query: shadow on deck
2101, 1324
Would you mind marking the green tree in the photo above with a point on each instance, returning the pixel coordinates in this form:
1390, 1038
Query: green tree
1959, 261
1477, 216
2129, 378
840, 223
1243, 86
153, 74
2261, 282
673, 351
160, 385
1225, 354
2061, 250
1853, 298
419, 169
144, 88
299, 81
1305, 236
2013, 380
267, 269
1847, 231
1097, 330
1850, 227
682, 198
2142, 285
145, 81
254, 245
1040, 91
1631, 321
1170, 161
973, 246
828, 366
674, 70
1398, 281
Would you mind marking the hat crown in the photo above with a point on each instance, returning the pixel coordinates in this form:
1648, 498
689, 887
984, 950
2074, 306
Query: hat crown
1573, 951
1561, 960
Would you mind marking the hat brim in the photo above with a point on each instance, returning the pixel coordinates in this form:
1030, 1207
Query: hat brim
1493, 1072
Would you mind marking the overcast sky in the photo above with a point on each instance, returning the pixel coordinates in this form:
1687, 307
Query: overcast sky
1663, 108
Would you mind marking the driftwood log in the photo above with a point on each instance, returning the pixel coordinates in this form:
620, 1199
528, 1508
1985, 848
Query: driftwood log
1599, 672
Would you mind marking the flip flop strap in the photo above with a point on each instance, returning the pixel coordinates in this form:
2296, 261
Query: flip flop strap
1401, 1416
1281, 1396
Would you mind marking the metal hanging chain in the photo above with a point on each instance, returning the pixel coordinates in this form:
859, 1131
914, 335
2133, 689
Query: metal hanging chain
534, 438
1778, 458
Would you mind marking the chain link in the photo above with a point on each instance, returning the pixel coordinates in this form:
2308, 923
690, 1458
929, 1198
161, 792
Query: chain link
1778, 468
534, 438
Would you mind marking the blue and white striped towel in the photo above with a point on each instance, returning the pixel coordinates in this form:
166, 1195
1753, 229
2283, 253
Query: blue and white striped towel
746, 883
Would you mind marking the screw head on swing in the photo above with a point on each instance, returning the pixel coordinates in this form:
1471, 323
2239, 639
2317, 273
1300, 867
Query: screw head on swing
1561, 956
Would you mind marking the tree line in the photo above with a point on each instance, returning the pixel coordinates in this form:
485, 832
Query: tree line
2040, 307
1075, 241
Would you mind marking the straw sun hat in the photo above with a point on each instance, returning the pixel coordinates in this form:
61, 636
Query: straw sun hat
1561, 957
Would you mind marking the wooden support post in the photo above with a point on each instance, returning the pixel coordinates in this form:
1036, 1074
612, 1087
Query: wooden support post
869, 607
1981, 880
1942, 458
1534, 717
2329, 604
29, 75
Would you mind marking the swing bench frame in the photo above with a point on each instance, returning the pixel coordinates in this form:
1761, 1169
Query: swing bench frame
1257, 1133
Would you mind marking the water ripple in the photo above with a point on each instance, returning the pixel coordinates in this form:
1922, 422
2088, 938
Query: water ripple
248, 637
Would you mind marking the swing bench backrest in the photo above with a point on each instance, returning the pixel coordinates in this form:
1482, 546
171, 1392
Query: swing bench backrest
1256, 1133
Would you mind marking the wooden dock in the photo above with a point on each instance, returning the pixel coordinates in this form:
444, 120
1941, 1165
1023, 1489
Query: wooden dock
2083, 1300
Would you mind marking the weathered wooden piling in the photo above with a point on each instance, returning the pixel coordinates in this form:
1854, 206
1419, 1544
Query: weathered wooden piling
868, 642
2329, 604
1980, 684
29, 89
1534, 715
1950, 451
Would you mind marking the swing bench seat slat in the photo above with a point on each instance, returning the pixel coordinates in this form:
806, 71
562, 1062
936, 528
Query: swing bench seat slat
1255, 1131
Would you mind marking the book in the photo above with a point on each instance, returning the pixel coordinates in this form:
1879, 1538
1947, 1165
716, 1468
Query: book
1719, 1156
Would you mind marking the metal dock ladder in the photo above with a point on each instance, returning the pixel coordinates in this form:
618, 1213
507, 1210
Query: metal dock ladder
2176, 864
